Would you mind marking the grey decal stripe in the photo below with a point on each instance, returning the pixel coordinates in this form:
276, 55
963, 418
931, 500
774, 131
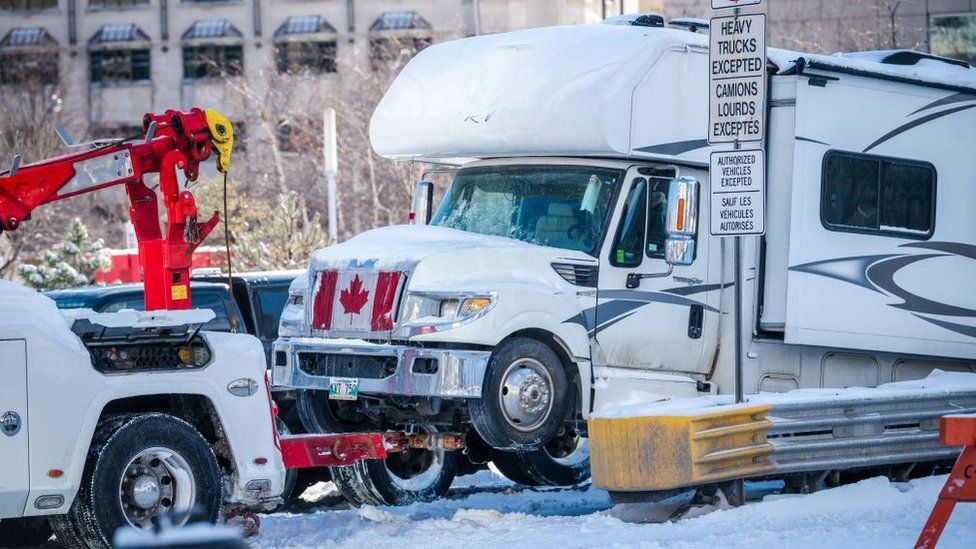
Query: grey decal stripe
915, 123
635, 296
947, 100
958, 248
697, 289
847, 269
808, 140
883, 275
963, 329
676, 148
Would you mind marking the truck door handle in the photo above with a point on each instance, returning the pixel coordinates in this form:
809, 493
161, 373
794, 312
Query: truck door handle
696, 315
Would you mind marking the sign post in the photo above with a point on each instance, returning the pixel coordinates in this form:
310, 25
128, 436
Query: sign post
736, 114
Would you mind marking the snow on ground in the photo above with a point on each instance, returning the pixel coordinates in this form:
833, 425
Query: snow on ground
485, 510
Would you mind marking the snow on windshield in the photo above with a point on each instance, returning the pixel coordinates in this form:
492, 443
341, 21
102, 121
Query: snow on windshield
561, 207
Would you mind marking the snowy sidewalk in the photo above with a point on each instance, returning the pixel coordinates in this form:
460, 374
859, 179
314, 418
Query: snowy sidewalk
871, 513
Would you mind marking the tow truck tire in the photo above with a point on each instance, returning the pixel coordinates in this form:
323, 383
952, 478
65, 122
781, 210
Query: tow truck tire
564, 461
163, 466
24, 532
525, 395
401, 479
318, 414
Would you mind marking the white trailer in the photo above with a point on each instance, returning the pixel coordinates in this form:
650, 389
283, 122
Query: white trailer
553, 283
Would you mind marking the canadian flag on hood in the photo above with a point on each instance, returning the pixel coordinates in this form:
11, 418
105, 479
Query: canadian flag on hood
354, 300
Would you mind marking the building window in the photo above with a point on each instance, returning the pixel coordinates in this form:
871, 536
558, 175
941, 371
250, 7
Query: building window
954, 36
99, 4
305, 44
212, 61
119, 53
212, 49
395, 37
28, 5
119, 66
28, 56
873, 194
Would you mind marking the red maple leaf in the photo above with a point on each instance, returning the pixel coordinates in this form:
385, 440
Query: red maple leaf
354, 298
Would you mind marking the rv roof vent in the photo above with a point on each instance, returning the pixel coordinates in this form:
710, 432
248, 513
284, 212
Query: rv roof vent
901, 57
689, 24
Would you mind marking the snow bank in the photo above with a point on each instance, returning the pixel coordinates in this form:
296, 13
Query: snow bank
937, 382
484, 511
23, 307
403, 246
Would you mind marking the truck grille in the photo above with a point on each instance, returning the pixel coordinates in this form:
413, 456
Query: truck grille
367, 367
578, 275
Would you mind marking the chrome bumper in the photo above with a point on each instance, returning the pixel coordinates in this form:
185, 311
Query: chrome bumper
459, 374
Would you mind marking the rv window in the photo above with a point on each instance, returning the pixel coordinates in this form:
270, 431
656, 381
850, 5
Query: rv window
629, 242
863, 193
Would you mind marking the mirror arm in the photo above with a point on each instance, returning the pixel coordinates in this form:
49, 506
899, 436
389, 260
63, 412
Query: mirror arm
634, 279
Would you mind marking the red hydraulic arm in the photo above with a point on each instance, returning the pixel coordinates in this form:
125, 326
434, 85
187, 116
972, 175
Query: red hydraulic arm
171, 141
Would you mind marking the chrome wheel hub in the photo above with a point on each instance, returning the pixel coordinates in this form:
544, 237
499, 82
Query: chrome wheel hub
157, 482
526, 394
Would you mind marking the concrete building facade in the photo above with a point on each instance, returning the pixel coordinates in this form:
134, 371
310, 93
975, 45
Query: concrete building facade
117, 59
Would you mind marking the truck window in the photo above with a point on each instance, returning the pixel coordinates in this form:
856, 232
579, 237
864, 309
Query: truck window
657, 233
270, 302
880, 195
559, 206
130, 302
628, 244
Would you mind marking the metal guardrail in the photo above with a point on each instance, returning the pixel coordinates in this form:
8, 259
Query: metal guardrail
842, 433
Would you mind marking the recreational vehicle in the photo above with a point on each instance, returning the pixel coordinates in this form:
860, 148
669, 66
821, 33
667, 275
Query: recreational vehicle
547, 284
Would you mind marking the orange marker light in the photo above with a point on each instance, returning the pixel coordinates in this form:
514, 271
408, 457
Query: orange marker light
55, 473
680, 223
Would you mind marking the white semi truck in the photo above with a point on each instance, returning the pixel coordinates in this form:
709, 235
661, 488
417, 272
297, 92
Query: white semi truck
118, 419
569, 266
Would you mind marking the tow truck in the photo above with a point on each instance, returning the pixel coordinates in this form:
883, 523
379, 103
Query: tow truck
110, 420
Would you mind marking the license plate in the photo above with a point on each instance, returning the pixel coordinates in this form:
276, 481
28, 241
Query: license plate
343, 388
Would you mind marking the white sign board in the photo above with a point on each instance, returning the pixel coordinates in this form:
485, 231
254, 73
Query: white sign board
738, 193
723, 4
737, 79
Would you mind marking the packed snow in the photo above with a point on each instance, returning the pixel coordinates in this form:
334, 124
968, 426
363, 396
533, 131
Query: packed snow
23, 307
485, 510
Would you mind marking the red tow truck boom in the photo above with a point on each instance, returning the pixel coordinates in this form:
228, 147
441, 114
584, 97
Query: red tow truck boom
171, 141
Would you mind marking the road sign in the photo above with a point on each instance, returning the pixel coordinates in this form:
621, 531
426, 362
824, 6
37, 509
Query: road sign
723, 4
737, 78
738, 193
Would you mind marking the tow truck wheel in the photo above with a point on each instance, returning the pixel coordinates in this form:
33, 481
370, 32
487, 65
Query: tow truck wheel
142, 467
401, 479
563, 461
524, 399
24, 532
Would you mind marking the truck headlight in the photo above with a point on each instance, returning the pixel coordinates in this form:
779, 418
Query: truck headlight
426, 312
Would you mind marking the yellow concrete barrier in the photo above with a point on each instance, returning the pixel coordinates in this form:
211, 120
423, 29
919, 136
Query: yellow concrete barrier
664, 452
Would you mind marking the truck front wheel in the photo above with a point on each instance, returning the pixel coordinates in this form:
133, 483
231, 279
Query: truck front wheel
141, 467
524, 397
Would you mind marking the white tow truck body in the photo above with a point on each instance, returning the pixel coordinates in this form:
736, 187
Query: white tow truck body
833, 297
53, 397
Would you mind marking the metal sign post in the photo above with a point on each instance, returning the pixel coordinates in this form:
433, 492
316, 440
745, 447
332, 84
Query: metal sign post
736, 113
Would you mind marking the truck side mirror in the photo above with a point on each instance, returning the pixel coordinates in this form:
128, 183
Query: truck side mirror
423, 203
682, 221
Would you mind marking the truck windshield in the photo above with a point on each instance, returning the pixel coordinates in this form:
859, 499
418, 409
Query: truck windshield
560, 206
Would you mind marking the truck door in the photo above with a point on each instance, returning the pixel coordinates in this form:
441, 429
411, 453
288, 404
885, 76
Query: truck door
14, 473
647, 316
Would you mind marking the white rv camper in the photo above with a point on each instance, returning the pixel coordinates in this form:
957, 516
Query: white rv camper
542, 291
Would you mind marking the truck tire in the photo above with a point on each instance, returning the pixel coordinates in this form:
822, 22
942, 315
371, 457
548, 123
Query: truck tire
524, 397
141, 466
401, 479
24, 532
319, 414
564, 461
